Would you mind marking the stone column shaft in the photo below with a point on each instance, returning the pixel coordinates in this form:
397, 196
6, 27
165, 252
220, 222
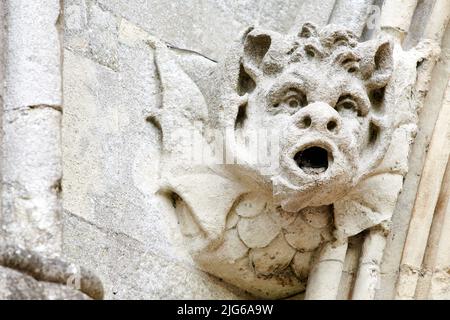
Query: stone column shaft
31, 162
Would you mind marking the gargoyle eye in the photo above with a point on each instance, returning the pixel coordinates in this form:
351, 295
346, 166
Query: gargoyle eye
347, 102
292, 99
293, 103
295, 99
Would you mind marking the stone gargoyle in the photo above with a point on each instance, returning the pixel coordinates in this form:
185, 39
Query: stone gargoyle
296, 141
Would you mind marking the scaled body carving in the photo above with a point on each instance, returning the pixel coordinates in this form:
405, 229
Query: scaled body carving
342, 118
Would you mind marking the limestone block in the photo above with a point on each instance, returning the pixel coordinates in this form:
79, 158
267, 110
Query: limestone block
183, 23
232, 248
107, 144
31, 178
32, 73
92, 31
314, 12
397, 15
130, 269
351, 14
103, 36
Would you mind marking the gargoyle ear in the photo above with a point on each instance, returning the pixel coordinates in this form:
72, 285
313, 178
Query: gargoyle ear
376, 63
258, 59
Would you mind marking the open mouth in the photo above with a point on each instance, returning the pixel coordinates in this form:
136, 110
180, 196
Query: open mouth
313, 160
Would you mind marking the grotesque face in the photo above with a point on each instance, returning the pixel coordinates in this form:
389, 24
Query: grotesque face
259, 225
321, 93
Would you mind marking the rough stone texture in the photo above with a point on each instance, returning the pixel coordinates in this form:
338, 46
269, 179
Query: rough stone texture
47, 278
18, 286
400, 221
92, 25
3, 48
32, 54
30, 228
31, 179
31, 158
111, 86
352, 14
131, 269
345, 115
315, 12
111, 145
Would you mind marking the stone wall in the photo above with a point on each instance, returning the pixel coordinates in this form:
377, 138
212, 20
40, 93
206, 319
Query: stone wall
115, 222
109, 148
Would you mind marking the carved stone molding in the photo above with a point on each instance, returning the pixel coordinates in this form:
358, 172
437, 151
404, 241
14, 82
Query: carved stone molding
28, 275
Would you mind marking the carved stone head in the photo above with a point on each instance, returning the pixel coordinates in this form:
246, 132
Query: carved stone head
322, 93
330, 102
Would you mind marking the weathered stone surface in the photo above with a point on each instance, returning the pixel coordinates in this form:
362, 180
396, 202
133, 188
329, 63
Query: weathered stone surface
301, 264
30, 226
113, 160
2, 50
232, 219
18, 286
313, 11
338, 171
131, 269
258, 232
350, 268
92, 31
302, 236
31, 158
78, 281
15, 285
183, 23
232, 248
273, 258
250, 206
400, 220
31, 177
106, 160
33, 51
319, 217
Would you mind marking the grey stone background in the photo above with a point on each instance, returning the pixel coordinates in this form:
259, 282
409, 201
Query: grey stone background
114, 223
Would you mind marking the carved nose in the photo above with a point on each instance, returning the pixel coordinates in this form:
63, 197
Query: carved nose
319, 116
